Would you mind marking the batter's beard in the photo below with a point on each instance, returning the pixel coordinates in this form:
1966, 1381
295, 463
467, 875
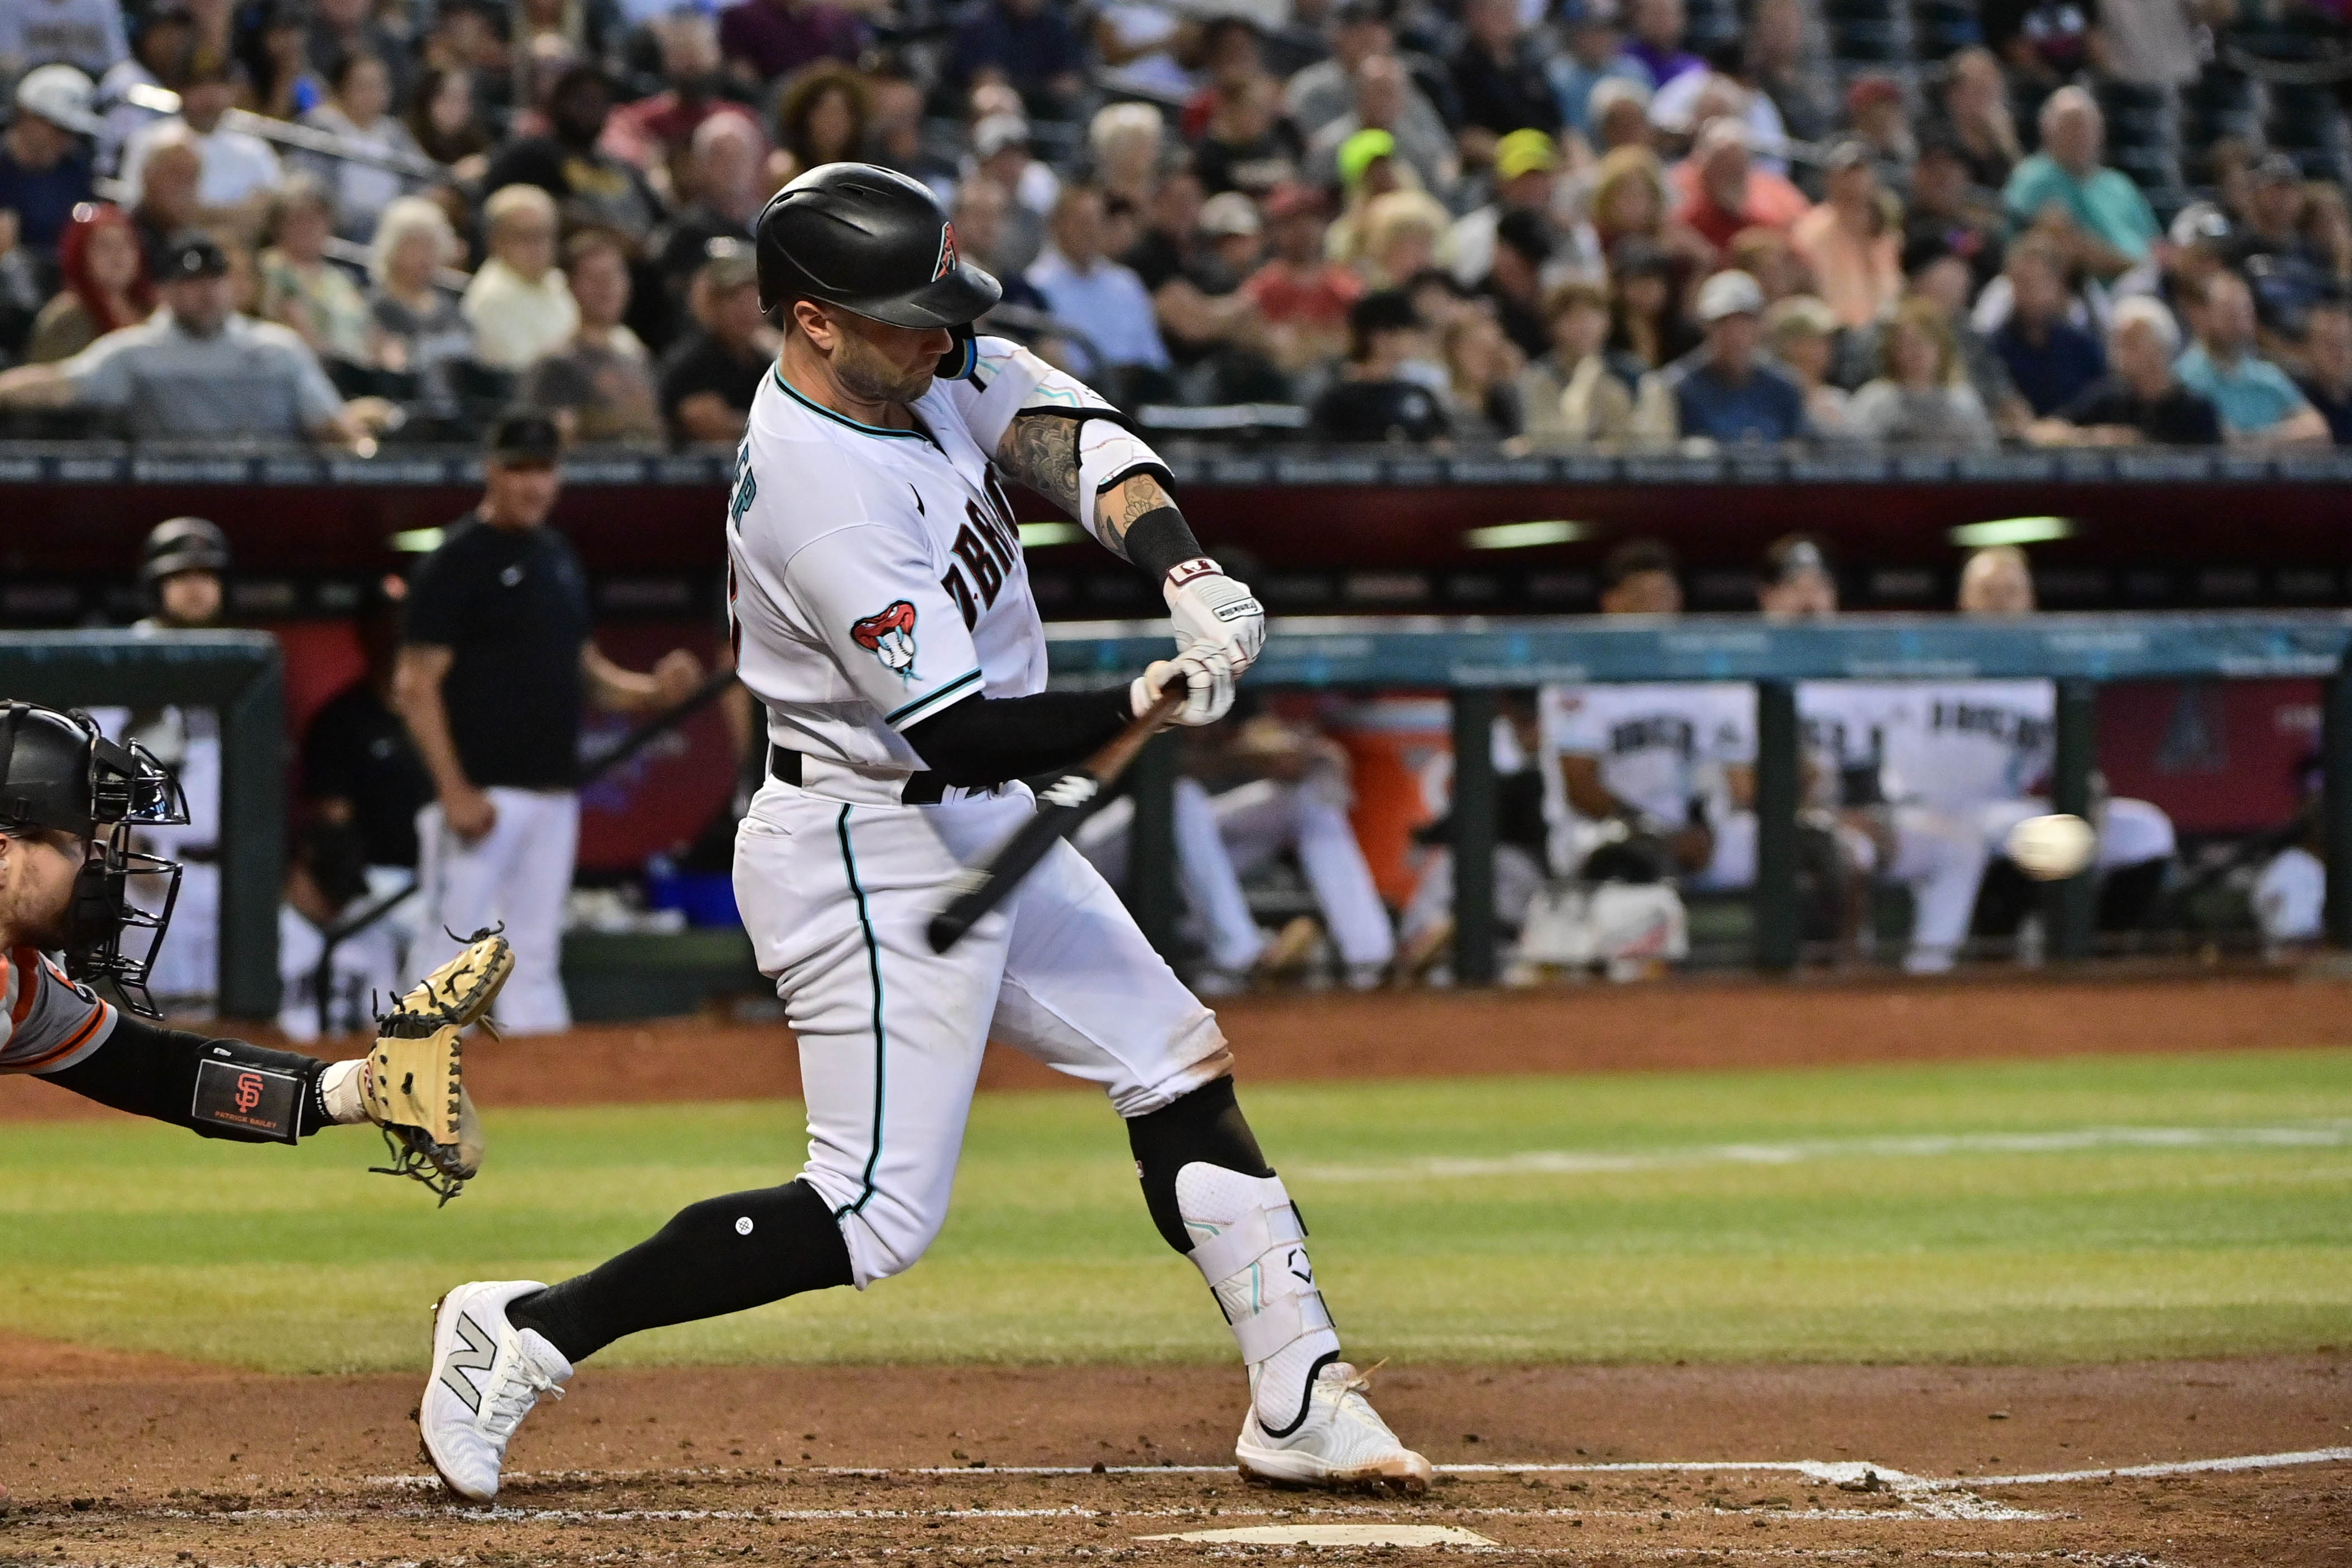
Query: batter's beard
867, 376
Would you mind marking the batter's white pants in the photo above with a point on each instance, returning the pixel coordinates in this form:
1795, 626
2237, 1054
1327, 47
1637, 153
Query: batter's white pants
836, 895
518, 875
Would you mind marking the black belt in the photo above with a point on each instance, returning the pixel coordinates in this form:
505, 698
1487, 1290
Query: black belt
924, 788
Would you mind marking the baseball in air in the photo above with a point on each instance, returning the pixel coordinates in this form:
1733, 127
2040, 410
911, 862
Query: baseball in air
2049, 848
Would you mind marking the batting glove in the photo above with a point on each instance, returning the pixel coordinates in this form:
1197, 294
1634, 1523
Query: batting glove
1214, 613
1207, 680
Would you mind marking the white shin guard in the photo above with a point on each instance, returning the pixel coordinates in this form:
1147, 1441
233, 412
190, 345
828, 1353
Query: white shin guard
1249, 1243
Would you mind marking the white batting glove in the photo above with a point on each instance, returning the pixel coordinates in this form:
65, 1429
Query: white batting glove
1212, 612
1207, 679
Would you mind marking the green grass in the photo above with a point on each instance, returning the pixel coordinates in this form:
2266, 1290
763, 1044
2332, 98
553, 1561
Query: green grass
1708, 1215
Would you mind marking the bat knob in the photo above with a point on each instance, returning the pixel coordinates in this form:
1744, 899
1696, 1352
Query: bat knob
946, 930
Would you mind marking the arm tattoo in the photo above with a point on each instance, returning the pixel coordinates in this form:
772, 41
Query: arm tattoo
1138, 496
1041, 451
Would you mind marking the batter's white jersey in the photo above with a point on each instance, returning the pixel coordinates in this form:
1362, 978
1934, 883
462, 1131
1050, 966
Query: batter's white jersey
875, 575
1662, 745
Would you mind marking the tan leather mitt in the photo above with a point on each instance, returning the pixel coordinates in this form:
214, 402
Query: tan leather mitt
416, 1085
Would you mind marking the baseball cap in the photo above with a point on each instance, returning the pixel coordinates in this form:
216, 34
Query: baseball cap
2199, 223
1359, 151
60, 95
525, 436
191, 256
1229, 212
729, 263
998, 131
1732, 293
1525, 153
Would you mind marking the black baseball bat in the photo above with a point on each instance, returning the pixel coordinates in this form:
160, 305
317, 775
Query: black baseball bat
1061, 807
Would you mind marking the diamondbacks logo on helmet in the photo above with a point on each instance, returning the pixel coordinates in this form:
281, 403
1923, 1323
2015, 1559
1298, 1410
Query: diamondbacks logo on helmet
947, 262
890, 636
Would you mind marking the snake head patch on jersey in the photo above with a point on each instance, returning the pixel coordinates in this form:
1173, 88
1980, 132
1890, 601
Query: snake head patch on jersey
890, 636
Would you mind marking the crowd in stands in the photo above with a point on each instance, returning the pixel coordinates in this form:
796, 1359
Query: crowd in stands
1931, 222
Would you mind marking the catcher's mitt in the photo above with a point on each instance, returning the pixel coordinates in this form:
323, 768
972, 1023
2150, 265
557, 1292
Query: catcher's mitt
414, 1082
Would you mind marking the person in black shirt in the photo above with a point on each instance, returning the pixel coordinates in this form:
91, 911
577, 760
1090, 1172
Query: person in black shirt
707, 379
358, 767
2140, 398
2327, 365
496, 662
1498, 78
590, 186
1374, 403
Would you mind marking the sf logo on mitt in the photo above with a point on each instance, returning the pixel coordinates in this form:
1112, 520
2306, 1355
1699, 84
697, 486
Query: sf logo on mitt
890, 637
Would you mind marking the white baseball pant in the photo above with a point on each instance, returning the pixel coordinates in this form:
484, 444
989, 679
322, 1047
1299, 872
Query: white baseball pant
518, 875
837, 894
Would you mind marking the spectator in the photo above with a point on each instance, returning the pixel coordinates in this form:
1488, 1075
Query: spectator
1620, 112
496, 661
1482, 368
600, 385
1193, 261
106, 287
1972, 112
1327, 90
1376, 401
161, 43
2140, 398
1648, 324
1248, 147
1232, 58
821, 118
2095, 214
1593, 53
84, 33
1657, 44
1303, 298
720, 184
1800, 333
357, 111
1028, 44
656, 132
1137, 43
1369, 170
2288, 272
1718, 191
360, 771
1692, 100
1498, 78
1629, 201
2043, 44
277, 55
1402, 231
1128, 141
2328, 232
1775, 65
709, 376
2157, 43
1579, 392
999, 236
1938, 276
341, 28
1103, 300
45, 165
300, 288
1525, 162
2258, 404
419, 332
195, 368
762, 40
1724, 390
1851, 242
2200, 237
1946, 209
518, 303
2050, 361
237, 169
1765, 256
2327, 366
1001, 153
1921, 398
1877, 114
1514, 287
20, 288
1383, 102
590, 185
445, 118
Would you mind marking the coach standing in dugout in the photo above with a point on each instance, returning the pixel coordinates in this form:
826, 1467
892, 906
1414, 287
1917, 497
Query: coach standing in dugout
494, 663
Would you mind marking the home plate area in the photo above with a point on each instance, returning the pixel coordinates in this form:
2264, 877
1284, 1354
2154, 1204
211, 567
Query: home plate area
2275, 1509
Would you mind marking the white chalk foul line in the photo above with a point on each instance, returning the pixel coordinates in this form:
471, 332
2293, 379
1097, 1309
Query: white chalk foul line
2184, 1468
2324, 1134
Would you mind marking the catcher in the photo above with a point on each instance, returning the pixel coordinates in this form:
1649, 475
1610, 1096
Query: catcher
69, 800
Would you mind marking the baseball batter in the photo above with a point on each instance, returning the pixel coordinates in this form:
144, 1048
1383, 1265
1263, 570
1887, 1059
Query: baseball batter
70, 802
883, 616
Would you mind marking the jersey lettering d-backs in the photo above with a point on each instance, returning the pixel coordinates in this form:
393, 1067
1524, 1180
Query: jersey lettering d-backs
875, 576
47, 1021
1965, 743
1662, 745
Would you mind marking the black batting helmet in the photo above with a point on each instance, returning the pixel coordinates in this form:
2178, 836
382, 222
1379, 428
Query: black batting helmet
878, 245
183, 544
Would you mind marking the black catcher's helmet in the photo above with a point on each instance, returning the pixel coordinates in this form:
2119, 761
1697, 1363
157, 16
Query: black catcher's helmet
60, 773
183, 544
875, 243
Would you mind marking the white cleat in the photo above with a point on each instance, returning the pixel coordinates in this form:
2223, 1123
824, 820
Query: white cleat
1342, 1443
487, 1375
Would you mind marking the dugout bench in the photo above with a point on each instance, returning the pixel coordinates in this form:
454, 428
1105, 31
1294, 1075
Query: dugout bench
1472, 658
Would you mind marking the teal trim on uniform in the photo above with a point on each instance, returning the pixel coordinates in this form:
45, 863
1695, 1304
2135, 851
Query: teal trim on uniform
815, 407
920, 703
881, 1037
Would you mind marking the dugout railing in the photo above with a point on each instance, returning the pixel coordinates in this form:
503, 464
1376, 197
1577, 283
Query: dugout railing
1473, 659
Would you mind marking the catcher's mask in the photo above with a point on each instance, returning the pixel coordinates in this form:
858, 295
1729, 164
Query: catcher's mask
59, 772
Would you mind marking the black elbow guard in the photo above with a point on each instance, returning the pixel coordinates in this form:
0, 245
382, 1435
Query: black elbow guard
217, 1088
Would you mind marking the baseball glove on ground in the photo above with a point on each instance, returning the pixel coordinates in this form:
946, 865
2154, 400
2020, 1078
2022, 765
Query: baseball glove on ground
415, 1080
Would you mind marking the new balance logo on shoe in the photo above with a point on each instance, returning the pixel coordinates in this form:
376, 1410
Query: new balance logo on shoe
479, 1352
